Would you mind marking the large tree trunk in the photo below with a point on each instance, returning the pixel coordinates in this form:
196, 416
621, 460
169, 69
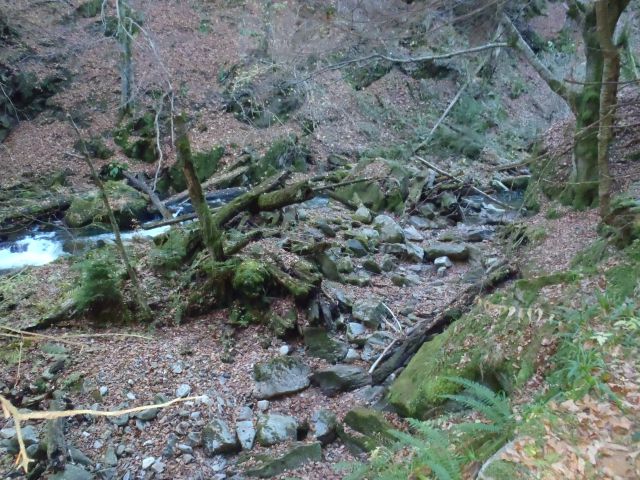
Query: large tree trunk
211, 234
583, 186
608, 13
124, 36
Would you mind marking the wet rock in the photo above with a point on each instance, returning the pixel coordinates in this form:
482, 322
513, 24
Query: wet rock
275, 428
217, 438
280, 376
362, 214
298, 455
246, 434
356, 248
323, 426
72, 472
340, 378
321, 345
455, 251
375, 344
390, 231
443, 262
183, 390
368, 311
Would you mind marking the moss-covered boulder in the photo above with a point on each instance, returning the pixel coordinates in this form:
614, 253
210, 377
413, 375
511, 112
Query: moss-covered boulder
205, 163
286, 153
370, 423
250, 279
495, 342
320, 345
295, 457
127, 204
280, 376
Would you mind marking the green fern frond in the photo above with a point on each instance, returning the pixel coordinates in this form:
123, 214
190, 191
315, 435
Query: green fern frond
479, 427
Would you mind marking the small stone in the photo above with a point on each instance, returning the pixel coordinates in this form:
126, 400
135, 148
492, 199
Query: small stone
103, 390
345, 265
77, 456
110, 459
187, 458
131, 396
218, 438
183, 390
284, 350
372, 266
356, 247
194, 439
340, 378
182, 428
324, 424
442, 271
356, 333
184, 448
443, 262
158, 466
8, 433
177, 368
147, 462
412, 234
147, 415
389, 263
97, 445
263, 405
390, 231
245, 413
280, 376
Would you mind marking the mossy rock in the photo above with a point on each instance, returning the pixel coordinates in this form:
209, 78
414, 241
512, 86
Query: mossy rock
295, 457
320, 345
527, 290
486, 344
284, 154
360, 77
251, 279
370, 423
205, 163
622, 225
89, 9
175, 248
94, 146
127, 204
137, 138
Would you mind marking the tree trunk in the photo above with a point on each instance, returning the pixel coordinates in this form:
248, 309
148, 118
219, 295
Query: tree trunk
608, 13
125, 40
583, 185
211, 235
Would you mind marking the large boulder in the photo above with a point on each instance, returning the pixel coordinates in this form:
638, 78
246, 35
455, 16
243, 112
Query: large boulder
390, 231
321, 345
455, 251
340, 378
127, 204
280, 376
323, 426
275, 428
368, 311
218, 438
296, 456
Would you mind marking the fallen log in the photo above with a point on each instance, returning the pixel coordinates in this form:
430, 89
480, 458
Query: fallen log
223, 177
400, 356
11, 219
143, 187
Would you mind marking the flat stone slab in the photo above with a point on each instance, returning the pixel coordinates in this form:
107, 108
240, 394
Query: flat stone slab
280, 376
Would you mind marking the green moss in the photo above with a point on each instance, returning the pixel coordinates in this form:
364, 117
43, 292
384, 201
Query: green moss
622, 281
587, 260
284, 154
250, 279
527, 290
137, 138
206, 163
127, 204
95, 147
89, 9
174, 248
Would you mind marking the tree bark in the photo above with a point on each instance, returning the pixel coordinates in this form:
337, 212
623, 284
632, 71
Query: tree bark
607, 13
143, 187
124, 36
211, 234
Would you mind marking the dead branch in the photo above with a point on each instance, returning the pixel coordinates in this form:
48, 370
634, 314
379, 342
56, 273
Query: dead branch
143, 187
223, 177
452, 177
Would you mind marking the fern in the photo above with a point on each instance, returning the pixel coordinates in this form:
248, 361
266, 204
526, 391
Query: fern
492, 405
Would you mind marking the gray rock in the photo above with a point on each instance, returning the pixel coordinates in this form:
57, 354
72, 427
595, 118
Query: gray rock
362, 214
184, 448
389, 263
217, 438
296, 456
409, 251
405, 280
455, 251
412, 234
368, 311
441, 272
321, 345
390, 231
356, 247
187, 458
246, 434
177, 368
323, 426
110, 459
183, 390
245, 413
280, 376
194, 439
275, 428
72, 472
340, 378
169, 448
371, 394
443, 262
147, 462
328, 266
263, 405
108, 473
360, 279
375, 344
8, 433
76, 456
29, 435
356, 333
147, 415
284, 350
158, 466
352, 356
103, 390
